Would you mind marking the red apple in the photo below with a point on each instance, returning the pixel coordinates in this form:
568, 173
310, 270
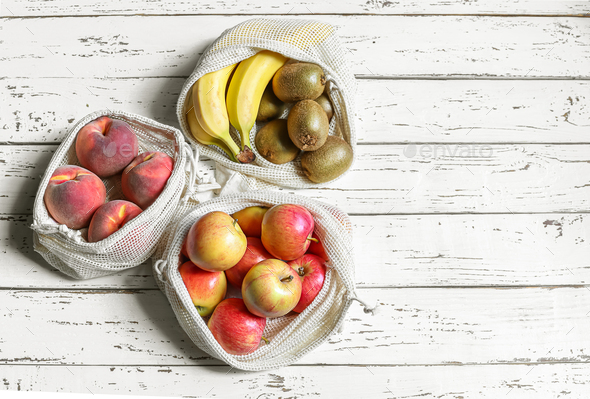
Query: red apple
206, 289
111, 217
73, 194
238, 331
106, 146
287, 231
250, 220
215, 242
312, 270
255, 253
317, 248
271, 288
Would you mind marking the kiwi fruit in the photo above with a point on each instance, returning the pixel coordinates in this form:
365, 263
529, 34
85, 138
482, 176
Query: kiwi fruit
299, 81
270, 106
326, 104
308, 125
274, 144
328, 162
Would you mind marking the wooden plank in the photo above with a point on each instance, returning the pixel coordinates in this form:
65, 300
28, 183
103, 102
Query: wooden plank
412, 327
390, 46
108, 7
399, 179
472, 381
389, 251
444, 111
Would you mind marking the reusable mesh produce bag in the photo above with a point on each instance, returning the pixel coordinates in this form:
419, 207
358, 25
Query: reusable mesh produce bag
291, 336
303, 40
68, 250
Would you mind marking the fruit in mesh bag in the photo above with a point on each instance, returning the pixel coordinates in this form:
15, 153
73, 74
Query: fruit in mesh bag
211, 110
111, 217
238, 331
299, 81
287, 231
246, 89
271, 288
215, 242
327, 162
72, 196
312, 270
105, 146
326, 105
206, 289
308, 125
270, 106
144, 179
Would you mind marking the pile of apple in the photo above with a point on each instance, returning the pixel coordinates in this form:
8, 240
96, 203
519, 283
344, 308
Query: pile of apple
271, 255
105, 147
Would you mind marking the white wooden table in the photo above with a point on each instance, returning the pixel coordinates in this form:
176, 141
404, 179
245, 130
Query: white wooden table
470, 200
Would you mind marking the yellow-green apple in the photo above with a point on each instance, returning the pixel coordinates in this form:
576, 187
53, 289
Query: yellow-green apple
250, 220
145, 177
111, 217
271, 288
215, 242
287, 231
73, 194
206, 289
255, 253
317, 248
106, 146
238, 331
312, 270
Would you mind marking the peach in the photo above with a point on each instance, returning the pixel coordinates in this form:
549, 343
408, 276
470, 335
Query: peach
106, 146
111, 217
73, 195
145, 177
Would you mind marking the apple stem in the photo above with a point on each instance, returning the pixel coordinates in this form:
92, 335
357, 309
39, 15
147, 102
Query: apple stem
301, 271
313, 239
235, 221
266, 341
287, 279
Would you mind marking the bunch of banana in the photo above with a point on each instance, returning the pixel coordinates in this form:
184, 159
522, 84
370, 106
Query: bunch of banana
211, 113
246, 88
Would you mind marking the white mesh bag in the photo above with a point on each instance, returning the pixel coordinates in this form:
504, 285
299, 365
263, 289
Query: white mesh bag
68, 250
291, 336
303, 40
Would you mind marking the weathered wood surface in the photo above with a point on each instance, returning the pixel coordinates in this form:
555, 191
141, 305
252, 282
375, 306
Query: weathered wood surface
441, 111
389, 251
412, 327
521, 381
29, 8
432, 46
399, 179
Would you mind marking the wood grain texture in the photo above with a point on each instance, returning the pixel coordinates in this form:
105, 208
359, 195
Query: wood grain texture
442, 111
399, 179
389, 251
386, 46
412, 327
472, 381
106, 7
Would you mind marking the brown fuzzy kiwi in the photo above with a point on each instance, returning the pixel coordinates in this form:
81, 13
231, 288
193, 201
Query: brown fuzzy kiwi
308, 125
328, 162
299, 81
270, 106
326, 104
274, 144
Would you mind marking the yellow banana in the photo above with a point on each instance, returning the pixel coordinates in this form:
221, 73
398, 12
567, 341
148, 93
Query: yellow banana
211, 111
246, 88
197, 131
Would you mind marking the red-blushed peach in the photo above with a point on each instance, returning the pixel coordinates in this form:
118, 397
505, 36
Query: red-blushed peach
111, 217
73, 195
145, 177
106, 146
